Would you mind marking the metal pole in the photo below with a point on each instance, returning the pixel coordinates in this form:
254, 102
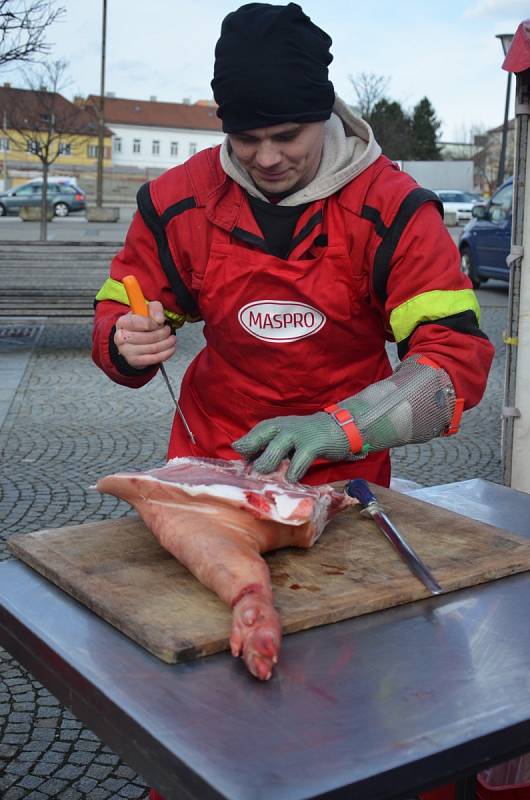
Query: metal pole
502, 157
515, 408
101, 125
5, 149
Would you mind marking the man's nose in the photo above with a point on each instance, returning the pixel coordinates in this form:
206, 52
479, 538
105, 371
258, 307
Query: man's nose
268, 155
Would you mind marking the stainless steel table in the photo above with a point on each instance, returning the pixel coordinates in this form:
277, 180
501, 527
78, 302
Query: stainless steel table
379, 706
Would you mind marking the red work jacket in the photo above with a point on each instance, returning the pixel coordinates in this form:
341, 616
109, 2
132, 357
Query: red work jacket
290, 336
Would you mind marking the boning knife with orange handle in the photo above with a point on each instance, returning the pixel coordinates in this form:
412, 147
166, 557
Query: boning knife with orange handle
139, 306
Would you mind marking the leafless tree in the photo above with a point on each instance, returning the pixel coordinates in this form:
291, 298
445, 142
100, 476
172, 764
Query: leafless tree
23, 25
43, 122
369, 89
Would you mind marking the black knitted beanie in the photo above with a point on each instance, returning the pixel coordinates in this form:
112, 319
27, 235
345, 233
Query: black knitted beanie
271, 66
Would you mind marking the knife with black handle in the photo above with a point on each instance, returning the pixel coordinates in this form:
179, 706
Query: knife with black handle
359, 489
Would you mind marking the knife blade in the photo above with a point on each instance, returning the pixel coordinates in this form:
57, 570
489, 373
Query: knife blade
139, 306
359, 489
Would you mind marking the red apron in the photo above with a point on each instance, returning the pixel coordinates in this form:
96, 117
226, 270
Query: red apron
283, 337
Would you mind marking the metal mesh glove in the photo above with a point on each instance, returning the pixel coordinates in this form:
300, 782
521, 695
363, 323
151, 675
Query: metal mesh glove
413, 405
302, 438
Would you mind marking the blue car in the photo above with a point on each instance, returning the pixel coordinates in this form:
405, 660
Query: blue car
485, 241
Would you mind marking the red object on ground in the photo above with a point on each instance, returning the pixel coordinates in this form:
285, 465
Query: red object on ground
153, 795
518, 56
519, 791
217, 518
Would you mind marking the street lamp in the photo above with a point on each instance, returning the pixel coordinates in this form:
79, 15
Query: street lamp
101, 121
506, 40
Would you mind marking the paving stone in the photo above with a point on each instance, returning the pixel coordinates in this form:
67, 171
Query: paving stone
113, 784
15, 793
17, 768
98, 794
31, 781
71, 794
125, 772
53, 787
98, 772
7, 780
69, 772
7, 751
86, 784
130, 790
88, 746
44, 768
54, 757
81, 758
106, 758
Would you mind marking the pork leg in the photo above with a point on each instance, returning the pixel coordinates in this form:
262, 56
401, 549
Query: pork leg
220, 536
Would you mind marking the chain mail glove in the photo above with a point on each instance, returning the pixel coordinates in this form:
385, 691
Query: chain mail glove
415, 404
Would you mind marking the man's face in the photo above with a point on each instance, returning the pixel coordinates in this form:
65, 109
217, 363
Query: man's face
280, 159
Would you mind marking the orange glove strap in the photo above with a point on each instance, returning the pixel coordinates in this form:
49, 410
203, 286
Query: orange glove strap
343, 418
456, 418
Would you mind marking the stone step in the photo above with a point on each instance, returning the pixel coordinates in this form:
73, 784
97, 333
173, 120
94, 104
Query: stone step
58, 279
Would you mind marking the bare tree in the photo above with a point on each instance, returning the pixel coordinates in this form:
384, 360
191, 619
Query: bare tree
23, 25
369, 89
41, 121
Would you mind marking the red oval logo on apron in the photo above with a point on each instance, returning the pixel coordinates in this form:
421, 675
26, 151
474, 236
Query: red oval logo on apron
280, 321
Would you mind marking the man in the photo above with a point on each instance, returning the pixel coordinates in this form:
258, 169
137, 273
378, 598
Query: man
304, 250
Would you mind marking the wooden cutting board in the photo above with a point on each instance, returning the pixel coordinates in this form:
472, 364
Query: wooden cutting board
118, 570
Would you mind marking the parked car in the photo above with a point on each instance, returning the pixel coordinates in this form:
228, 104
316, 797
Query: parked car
63, 196
474, 197
457, 202
485, 242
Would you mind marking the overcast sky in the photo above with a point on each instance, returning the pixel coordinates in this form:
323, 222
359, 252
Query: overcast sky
444, 50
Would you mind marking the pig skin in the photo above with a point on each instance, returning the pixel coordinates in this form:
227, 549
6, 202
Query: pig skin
217, 517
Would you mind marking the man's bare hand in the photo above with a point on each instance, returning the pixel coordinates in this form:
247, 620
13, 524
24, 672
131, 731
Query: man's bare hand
144, 341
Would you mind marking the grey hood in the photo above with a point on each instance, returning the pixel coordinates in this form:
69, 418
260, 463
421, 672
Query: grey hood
349, 148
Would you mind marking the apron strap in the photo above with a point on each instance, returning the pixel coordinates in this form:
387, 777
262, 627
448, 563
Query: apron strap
391, 234
157, 225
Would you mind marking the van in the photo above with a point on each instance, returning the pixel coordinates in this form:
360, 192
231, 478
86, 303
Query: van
486, 240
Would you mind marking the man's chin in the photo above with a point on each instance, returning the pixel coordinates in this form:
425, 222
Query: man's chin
284, 185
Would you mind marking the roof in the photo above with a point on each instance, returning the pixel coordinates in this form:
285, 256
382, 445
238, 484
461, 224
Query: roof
152, 113
518, 56
499, 128
28, 109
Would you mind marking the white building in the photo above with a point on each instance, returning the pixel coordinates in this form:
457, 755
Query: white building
150, 134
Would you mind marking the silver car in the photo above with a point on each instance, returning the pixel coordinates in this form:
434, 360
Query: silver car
64, 197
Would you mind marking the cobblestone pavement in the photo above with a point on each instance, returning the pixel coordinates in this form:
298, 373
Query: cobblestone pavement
67, 426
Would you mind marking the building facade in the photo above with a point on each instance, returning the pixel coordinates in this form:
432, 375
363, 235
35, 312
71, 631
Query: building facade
156, 135
31, 121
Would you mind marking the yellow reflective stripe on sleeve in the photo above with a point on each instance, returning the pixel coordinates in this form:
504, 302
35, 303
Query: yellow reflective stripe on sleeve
430, 306
115, 290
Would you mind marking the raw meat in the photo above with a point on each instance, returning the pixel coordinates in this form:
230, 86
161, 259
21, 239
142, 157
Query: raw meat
216, 517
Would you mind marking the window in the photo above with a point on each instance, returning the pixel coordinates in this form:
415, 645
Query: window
117, 144
501, 204
92, 151
156, 147
65, 149
193, 148
4, 144
136, 145
26, 191
174, 150
33, 147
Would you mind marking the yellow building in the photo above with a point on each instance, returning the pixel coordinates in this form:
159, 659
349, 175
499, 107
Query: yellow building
46, 123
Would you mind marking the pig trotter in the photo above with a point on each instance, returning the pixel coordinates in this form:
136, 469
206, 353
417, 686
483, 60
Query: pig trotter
256, 633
